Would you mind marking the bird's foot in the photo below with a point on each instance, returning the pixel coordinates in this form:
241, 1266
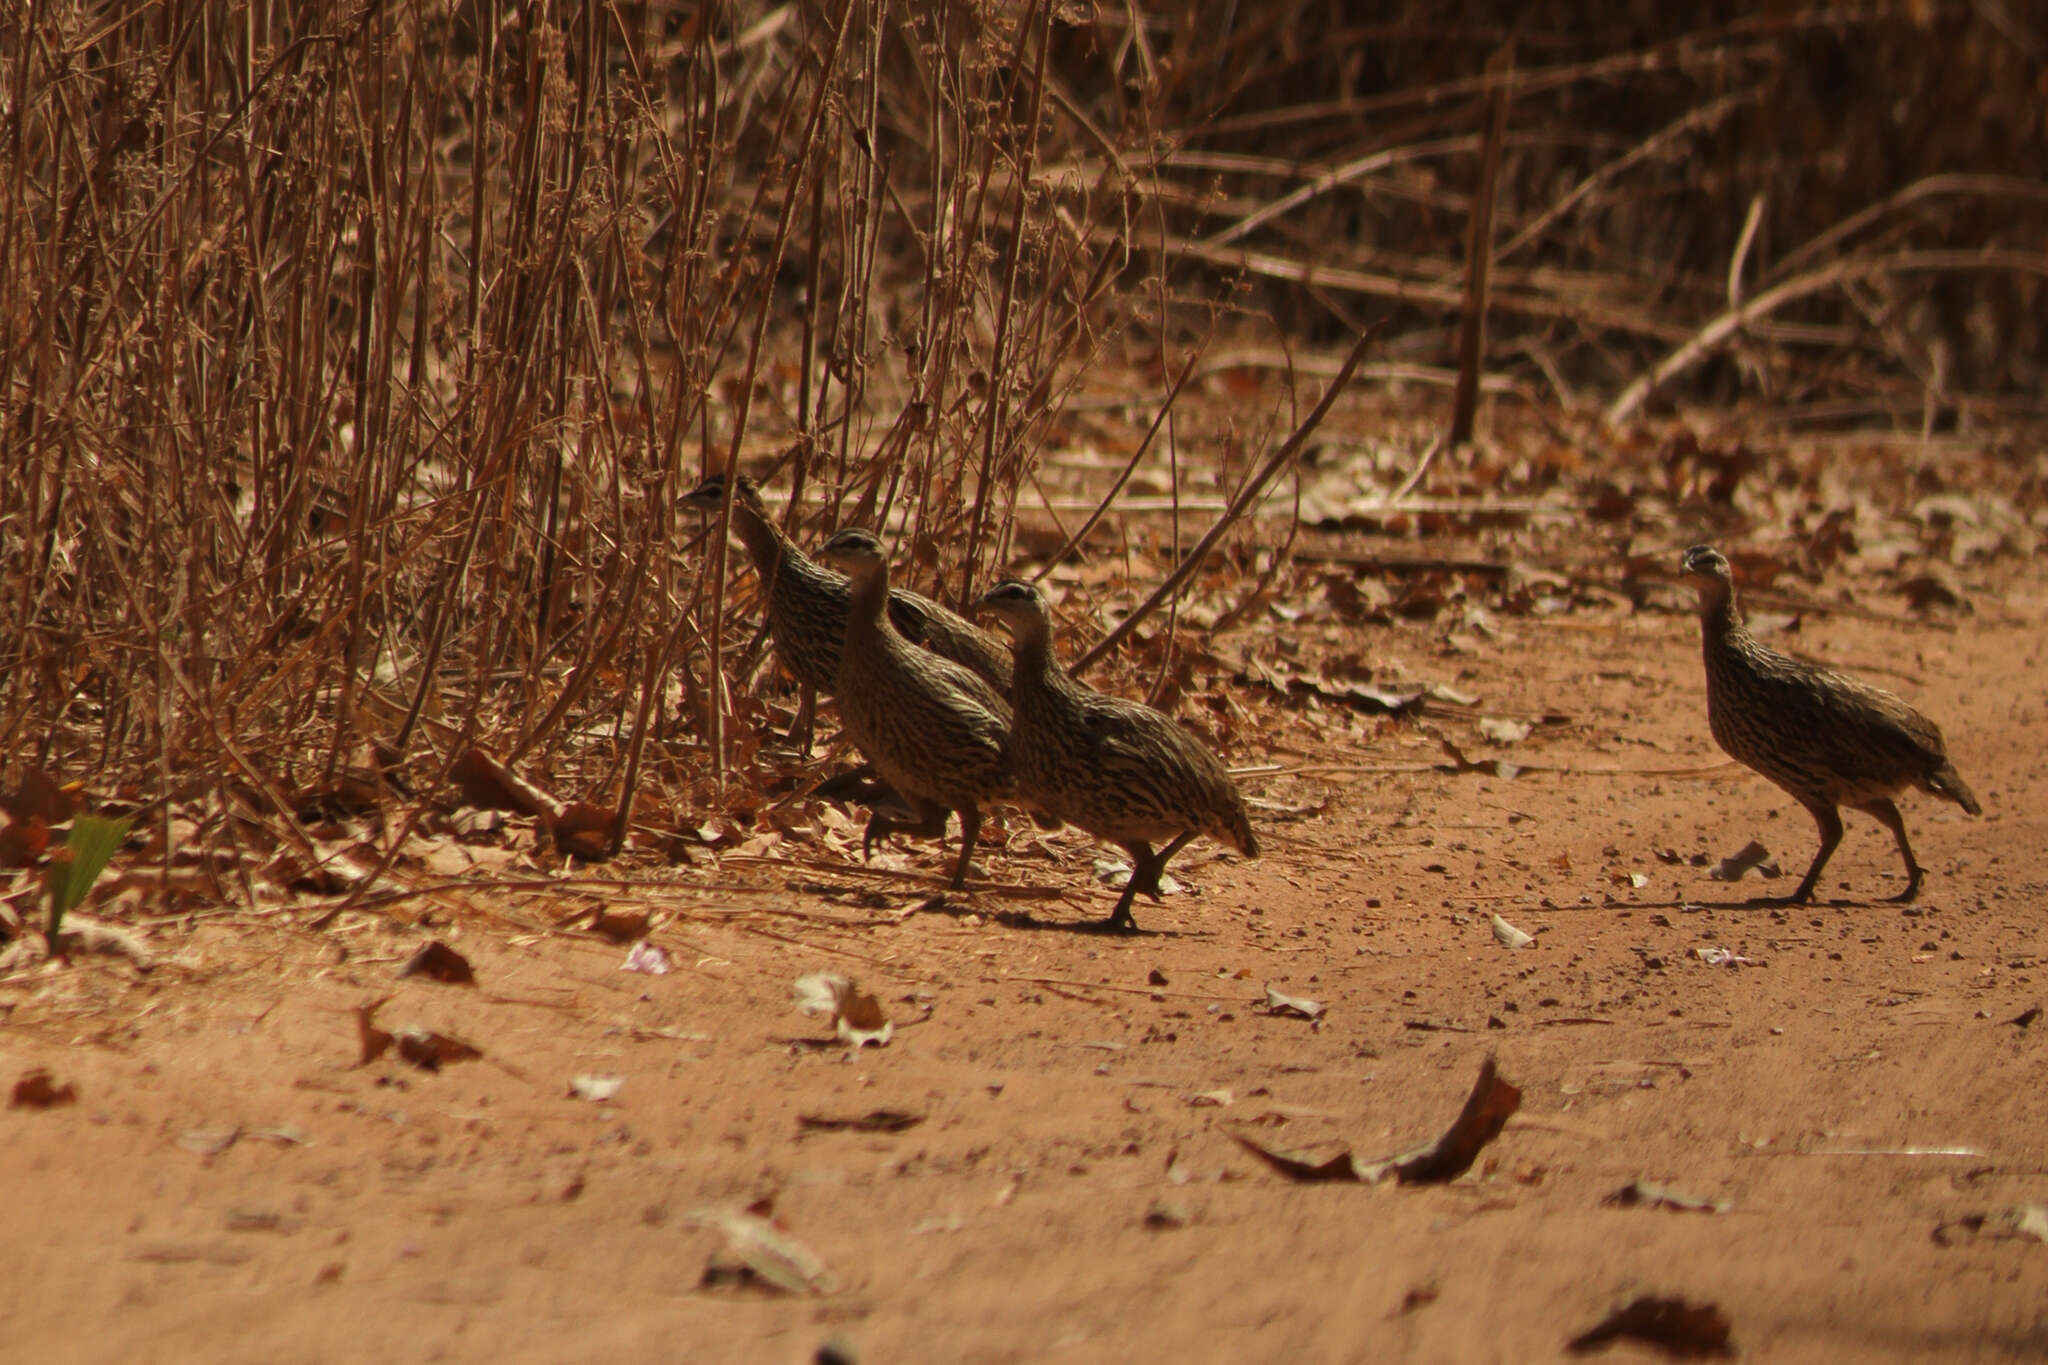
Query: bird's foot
1119, 922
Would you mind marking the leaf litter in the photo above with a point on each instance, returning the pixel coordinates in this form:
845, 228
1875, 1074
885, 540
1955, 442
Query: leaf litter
438, 962
1492, 1101
422, 1047
37, 1089
1674, 1326
1511, 937
857, 1018
595, 1087
1751, 856
1641, 1194
2015, 1222
1291, 1006
767, 1256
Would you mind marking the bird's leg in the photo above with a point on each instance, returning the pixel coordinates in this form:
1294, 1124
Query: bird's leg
1887, 815
1142, 867
806, 712
970, 830
1120, 920
1830, 822
930, 824
1146, 875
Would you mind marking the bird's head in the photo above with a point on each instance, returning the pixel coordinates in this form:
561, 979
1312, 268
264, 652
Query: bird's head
1703, 564
709, 495
854, 552
1015, 603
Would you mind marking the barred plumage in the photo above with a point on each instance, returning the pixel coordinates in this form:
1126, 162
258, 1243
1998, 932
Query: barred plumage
1117, 768
806, 601
936, 731
1827, 739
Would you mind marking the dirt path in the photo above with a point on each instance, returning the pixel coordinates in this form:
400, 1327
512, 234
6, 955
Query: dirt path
1069, 1190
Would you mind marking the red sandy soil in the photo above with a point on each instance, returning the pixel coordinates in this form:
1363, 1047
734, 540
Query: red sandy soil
1857, 1094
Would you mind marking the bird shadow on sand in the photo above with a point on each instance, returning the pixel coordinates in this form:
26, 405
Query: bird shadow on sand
1024, 919
1767, 903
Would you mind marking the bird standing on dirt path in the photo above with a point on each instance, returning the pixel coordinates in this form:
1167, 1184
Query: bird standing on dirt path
1826, 738
806, 604
1117, 768
936, 731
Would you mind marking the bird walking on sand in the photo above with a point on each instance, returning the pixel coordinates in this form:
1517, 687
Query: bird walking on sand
935, 730
1117, 768
1827, 739
806, 604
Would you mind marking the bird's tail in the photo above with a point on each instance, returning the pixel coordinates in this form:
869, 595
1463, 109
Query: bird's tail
1946, 781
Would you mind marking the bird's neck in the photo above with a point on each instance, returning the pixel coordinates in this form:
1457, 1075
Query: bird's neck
766, 545
1030, 652
867, 603
1720, 620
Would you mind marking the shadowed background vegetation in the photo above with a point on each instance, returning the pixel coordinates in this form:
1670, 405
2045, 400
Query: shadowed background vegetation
355, 354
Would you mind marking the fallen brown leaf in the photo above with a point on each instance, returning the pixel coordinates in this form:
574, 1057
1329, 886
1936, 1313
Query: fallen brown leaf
874, 1121
439, 962
37, 1090
1676, 1327
1299, 1165
1642, 1194
1487, 1109
427, 1049
487, 783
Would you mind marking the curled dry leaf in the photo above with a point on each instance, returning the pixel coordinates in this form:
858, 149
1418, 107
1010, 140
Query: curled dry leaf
646, 957
1673, 1325
438, 962
427, 1049
487, 783
22, 842
375, 1041
84, 935
1487, 1110
1166, 1217
1486, 767
1301, 1166
594, 1087
621, 926
874, 1121
1292, 1006
1503, 731
583, 830
38, 1090
2026, 1222
1510, 936
209, 1141
1750, 855
1641, 1194
856, 1017
424, 1048
772, 1257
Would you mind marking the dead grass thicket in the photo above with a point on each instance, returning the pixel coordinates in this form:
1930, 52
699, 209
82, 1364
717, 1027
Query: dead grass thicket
354, 355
